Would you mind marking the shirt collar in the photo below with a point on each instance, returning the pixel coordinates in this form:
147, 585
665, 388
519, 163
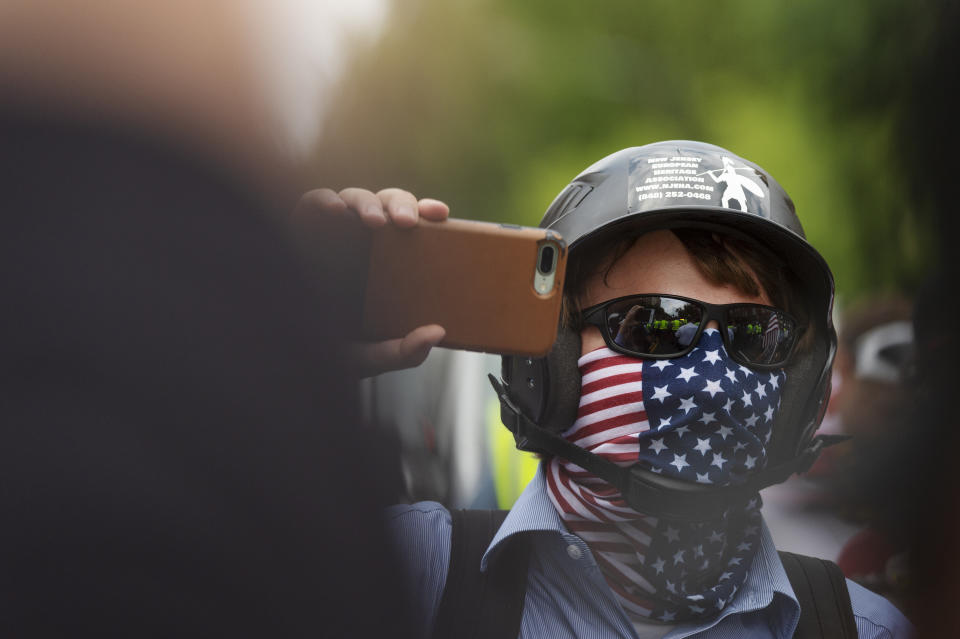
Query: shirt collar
533, 512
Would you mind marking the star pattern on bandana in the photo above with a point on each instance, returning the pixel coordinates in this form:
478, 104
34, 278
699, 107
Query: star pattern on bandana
710, 424
711, 418
701, 565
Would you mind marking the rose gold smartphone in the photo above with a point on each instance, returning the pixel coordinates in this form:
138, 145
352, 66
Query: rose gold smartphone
494, 287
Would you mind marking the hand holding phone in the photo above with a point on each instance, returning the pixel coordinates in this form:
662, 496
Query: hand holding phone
321, 213
459, 283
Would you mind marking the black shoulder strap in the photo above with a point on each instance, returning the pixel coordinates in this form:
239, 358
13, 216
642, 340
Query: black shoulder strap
482, 605
821, 589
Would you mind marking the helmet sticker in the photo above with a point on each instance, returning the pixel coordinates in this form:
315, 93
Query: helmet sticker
734, 183
717, 180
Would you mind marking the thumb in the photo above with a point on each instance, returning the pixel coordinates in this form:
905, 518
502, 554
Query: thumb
395, 354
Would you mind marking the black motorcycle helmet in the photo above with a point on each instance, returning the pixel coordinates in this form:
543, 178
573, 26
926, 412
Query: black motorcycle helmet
678, 184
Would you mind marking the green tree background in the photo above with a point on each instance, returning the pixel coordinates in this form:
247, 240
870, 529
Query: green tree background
494, 105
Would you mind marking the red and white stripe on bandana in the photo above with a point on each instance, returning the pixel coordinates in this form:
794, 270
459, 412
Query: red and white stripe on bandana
610, 417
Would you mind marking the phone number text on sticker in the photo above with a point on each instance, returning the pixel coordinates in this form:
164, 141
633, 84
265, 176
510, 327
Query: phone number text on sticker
687, 194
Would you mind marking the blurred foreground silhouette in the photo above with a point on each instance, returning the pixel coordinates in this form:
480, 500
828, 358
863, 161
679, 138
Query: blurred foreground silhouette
173, 456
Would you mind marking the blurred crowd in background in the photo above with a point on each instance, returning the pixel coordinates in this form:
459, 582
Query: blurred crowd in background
151, 151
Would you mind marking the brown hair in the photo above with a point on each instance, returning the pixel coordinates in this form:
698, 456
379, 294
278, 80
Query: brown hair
722, 259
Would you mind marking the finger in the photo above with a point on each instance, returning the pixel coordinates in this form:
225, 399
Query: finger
317, 202
366, 204
321, 200
395, 354
401, 206
434, 210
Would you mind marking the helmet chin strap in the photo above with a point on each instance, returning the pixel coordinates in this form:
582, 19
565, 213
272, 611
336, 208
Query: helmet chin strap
646, 491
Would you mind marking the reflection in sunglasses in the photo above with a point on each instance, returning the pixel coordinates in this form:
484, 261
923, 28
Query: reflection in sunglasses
667, 326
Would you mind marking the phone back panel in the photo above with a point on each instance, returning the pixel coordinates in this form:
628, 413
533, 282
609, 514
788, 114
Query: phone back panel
476, 279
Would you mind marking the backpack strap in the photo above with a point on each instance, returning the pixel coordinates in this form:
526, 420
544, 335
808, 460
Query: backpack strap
476, 604
821, 589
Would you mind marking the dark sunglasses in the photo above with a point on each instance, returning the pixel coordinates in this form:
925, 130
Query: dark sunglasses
667, 326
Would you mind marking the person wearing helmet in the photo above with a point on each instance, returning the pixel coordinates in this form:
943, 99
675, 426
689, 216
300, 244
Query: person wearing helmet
644, 517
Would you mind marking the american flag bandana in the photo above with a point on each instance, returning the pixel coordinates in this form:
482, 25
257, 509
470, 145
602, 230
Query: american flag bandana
702, 418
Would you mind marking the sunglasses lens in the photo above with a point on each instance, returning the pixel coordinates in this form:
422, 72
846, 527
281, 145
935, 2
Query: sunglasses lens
658, 325
653, 325
760, 335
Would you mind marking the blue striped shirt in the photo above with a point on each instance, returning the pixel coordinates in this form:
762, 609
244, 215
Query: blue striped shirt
567, 595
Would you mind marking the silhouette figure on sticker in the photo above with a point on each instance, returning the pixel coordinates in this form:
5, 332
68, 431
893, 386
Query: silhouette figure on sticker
735, 184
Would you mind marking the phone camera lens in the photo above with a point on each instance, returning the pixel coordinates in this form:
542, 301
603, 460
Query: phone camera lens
546, 259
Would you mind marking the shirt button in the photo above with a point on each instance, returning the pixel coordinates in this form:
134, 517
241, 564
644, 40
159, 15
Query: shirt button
574, 552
